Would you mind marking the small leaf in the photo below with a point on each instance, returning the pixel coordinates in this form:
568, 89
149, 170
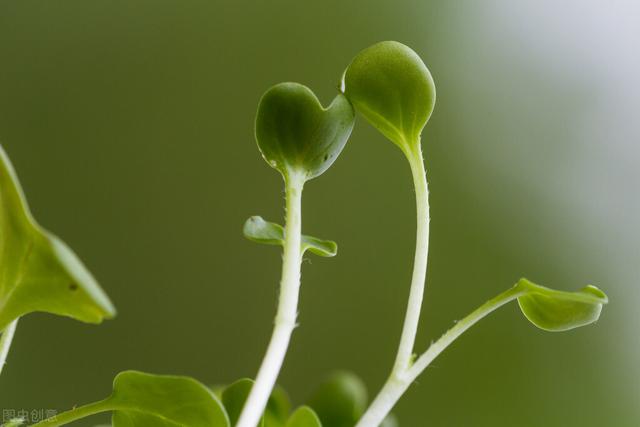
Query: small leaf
392, 88
324, 248
235, 395
390, 421
163, 401
258, 230
234, 398
296, 134
38, 272
278, 408
15, 422
557, 311
304, 416
340, 401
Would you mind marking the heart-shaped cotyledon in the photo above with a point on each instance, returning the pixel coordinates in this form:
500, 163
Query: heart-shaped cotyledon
296, 134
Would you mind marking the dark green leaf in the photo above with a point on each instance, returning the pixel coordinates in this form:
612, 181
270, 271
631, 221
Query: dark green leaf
556, 311
269, 233
392, 88
236, 394
340, 401
234, 397
38, 272
296, 134
304, 416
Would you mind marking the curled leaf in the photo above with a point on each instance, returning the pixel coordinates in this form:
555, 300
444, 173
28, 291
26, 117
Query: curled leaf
38, 272
558, 311
296, 134
392, 88
258, 230
304, 416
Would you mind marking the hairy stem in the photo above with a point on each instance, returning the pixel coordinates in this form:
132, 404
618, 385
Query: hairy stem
285, 320
5, 342
416, 294
397, 384
76, 414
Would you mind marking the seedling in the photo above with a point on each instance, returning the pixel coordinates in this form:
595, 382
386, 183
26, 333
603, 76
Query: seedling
390, 86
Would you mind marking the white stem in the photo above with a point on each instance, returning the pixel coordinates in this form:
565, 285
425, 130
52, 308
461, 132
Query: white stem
416, 294
285, 321
5, 342
398, 383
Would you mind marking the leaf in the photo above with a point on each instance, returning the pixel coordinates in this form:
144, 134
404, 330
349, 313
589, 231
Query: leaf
269, 233
296, 134
304, 416
15, 422
340, 401
38, 272
234, 397
390, 421
163, 401
236, 394
557, 311
392, 88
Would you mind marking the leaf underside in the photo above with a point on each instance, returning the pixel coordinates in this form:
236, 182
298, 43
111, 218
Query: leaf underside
558, 311
38, 272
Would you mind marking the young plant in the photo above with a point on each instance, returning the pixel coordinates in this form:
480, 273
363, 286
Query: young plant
392, 88
301, 140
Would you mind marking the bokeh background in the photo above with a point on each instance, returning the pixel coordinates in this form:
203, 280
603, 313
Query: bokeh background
131, 126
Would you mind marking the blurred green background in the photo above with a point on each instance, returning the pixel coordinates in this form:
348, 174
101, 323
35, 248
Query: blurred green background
131, 126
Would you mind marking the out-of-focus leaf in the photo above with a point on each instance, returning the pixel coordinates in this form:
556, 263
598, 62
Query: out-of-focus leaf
304, 416
390, 421
557, 311
38, 272
278, 406
340, 401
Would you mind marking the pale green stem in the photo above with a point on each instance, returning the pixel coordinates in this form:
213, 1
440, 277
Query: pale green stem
5, 342
397, 384
285, 320
76, 414
416, 293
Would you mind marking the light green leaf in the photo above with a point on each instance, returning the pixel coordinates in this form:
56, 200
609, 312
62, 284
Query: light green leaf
15, 422
140, 399
38, 272
164, 401
390, 421
340, 401
392, 88
304, 416
557, 311
269, 233
296, 134
276, 412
